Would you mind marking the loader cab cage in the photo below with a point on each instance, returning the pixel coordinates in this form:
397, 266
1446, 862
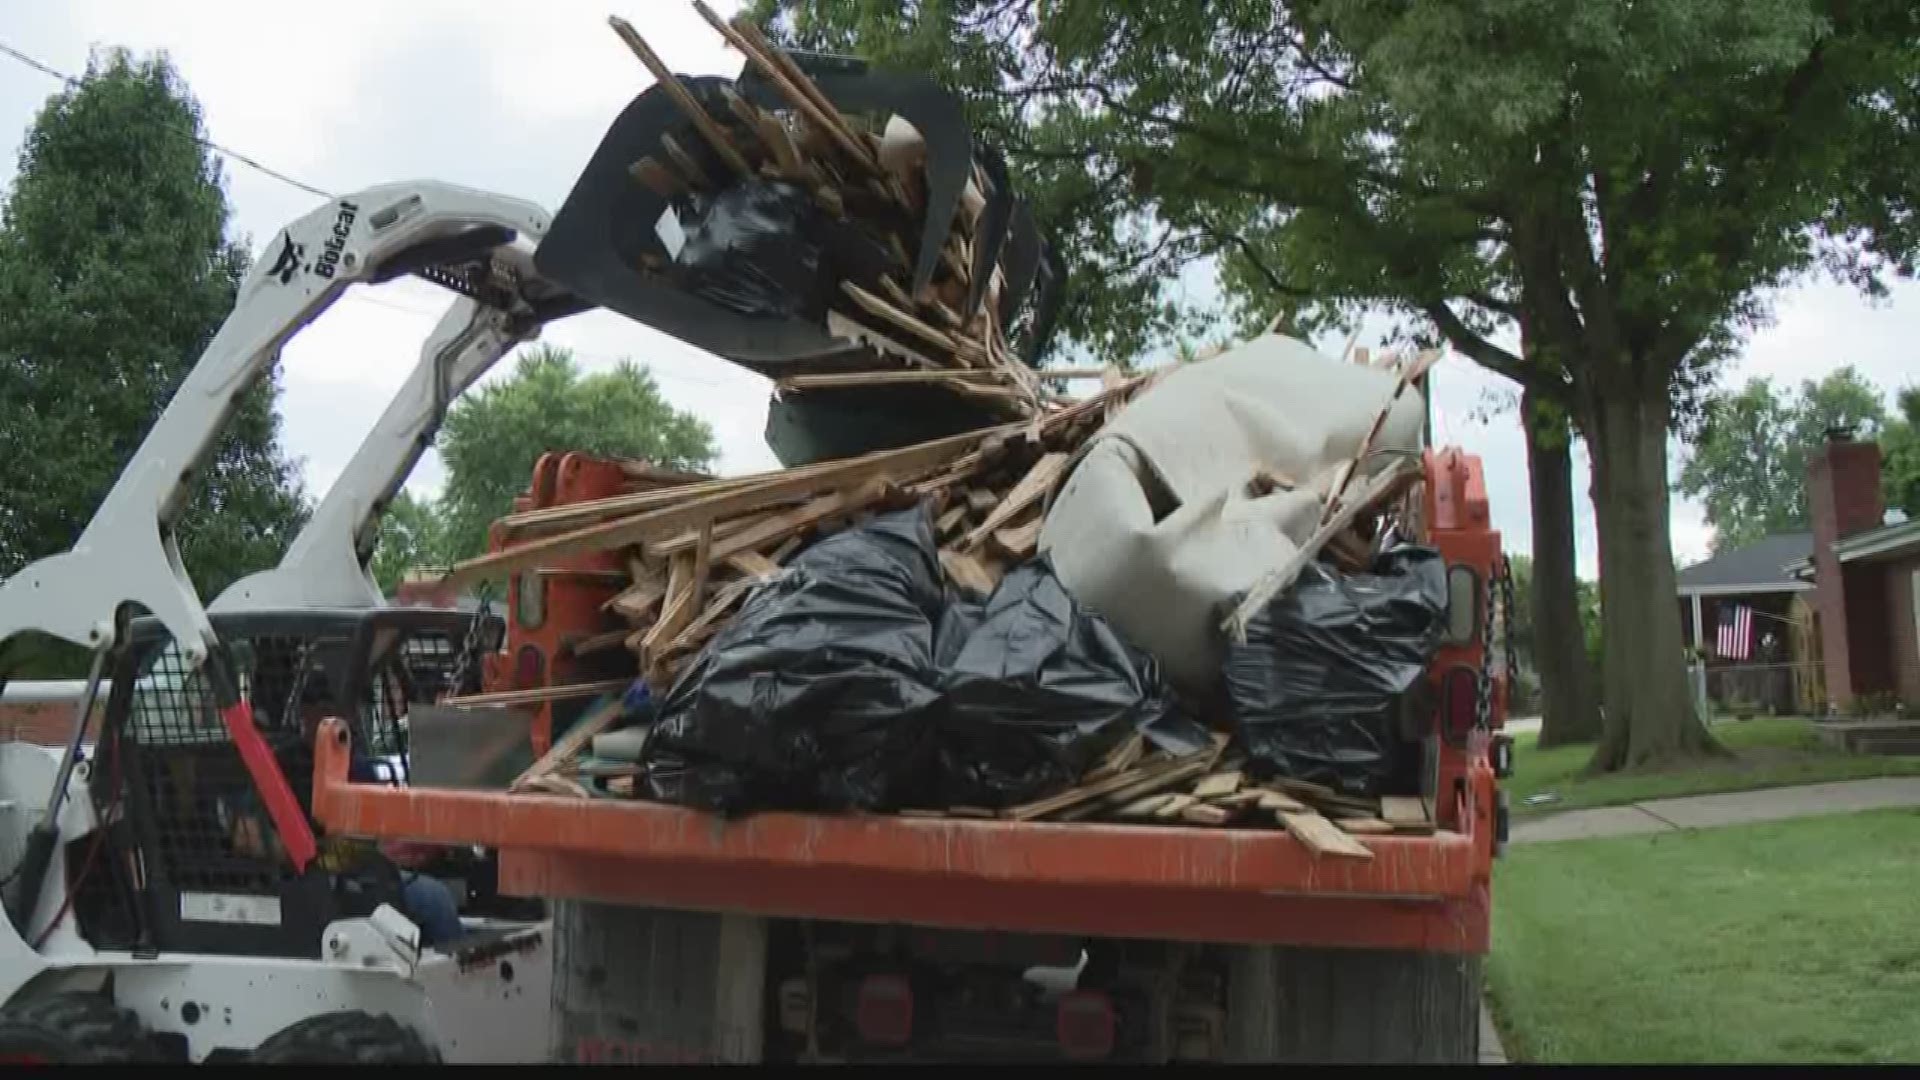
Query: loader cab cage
196, 853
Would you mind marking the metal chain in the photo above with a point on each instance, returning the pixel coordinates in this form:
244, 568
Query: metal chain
470, 647
1509, 606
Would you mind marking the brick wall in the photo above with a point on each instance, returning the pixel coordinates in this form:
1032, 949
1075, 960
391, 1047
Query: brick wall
1843, 498
46, 723
1903, 640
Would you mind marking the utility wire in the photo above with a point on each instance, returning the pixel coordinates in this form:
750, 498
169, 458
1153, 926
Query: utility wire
208, 143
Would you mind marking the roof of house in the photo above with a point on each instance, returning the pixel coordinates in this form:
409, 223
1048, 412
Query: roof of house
1758, 567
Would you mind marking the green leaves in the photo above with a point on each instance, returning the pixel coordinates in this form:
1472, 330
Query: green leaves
115, 273
1749, 463
496, 432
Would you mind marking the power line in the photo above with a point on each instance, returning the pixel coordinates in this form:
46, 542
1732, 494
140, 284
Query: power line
208, 143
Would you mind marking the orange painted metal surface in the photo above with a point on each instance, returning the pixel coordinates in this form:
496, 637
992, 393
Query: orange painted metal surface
1200, 884
1430, 893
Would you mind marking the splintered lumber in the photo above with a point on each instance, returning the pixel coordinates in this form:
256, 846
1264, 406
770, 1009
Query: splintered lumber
599, 642
539, 694
1409, 374
950, 519
682, 600
969, 573
882, 310
576, 738
709, 620
1210, 787
709, 130
981, 501
798, 383
1321, 836
1242, 798
773, 527
1032, 487
1363, 826
657, 178
637, 602
666, 521
689, 168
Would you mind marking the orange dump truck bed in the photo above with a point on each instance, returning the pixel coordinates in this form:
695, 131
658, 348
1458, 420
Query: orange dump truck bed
1419, 893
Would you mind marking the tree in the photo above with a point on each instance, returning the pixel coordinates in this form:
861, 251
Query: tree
1749, 460
115, 273
1621, 181
495, 433
412, 535
1900, 443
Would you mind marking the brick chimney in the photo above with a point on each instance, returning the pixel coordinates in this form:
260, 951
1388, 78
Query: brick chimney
1843, 498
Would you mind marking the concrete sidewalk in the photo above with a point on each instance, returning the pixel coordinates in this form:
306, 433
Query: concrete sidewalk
1712, 811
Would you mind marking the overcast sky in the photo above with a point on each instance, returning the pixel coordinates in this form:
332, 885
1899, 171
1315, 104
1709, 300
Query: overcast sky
513, 98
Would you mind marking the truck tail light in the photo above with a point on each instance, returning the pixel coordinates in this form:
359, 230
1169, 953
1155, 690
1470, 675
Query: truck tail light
1084, 1025
1459, 705
884, 1013
529, 668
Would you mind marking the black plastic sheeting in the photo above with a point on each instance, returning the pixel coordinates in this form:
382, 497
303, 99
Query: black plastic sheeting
1315, 689
765, 249
854, 679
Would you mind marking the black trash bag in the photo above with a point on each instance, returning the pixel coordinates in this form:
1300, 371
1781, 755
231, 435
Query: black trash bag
765, 249
820, 692
1040, 690
1316, 687
755, 249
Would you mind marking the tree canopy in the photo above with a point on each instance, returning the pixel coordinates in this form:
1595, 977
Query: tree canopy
115, 272
1623, 183
1748, 463
495, 433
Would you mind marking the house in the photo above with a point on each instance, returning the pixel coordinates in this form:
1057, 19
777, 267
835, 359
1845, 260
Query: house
1865, 570
1750, 624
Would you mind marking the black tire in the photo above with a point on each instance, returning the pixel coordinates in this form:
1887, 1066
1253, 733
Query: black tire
73, 1029
346, 1038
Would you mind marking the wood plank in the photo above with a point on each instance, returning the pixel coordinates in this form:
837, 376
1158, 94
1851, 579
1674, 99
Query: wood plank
710, 619
1225, 783
538, 694
772, 527
1299, 789
669, 82
1363, 826
675, 614
752, 564
636, 605
1031, 489
1275, 802
1243, 797
791, 82
656, 177
686, 163
1143, 808
570, 744
1122, 757
1205, 814
612, 639
1322, 838
836, 380
982, 500
894, 464
1403, 810
1175, 805
886, 312
950, 519
969, 573
1019, 542
658, 475
1171, 772
1271, 583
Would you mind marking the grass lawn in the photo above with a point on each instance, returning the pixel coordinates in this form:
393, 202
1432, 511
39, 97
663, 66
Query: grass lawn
1788, 942
1772, 751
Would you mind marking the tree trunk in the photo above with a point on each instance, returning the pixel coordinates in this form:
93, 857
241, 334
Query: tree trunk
1649, 715
1569, 711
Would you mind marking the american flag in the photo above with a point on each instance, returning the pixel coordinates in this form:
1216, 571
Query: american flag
1735, 639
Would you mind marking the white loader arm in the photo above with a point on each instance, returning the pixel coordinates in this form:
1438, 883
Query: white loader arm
128, 554
327, 564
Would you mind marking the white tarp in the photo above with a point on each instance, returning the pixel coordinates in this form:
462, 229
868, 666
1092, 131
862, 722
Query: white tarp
1155, 527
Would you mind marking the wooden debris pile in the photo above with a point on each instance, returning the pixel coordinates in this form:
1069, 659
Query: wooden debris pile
694, 546
1135, 786
867, 173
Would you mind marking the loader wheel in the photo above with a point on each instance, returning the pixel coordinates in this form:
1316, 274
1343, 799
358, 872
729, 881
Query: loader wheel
73, 1029
346, 1038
